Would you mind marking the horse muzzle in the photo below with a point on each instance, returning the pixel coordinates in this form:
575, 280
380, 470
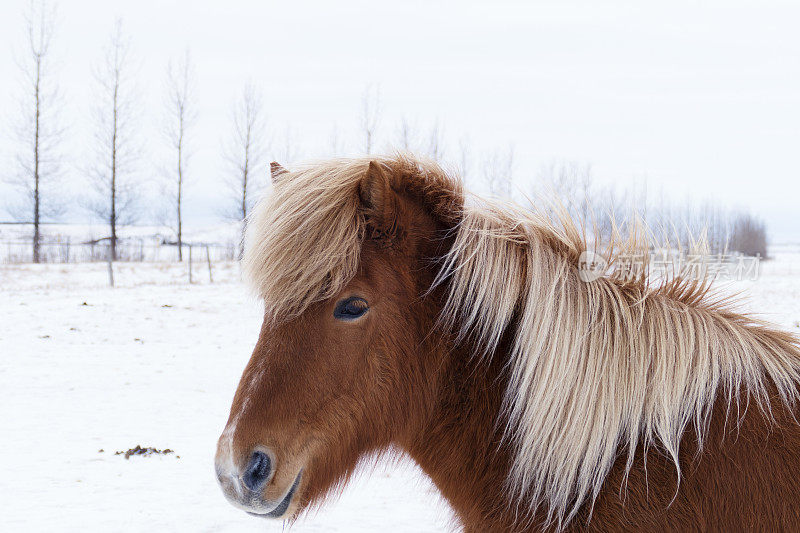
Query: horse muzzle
254, 488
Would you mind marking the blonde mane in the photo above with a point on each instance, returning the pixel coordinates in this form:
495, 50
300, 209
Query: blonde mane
303, 240
599, 365
594, 367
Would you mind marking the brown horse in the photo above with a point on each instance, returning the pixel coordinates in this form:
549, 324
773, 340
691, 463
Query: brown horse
401, 315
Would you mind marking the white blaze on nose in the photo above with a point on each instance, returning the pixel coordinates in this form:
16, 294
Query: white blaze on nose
226, 464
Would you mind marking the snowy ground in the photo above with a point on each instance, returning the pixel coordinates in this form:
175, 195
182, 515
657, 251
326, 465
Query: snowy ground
154, 362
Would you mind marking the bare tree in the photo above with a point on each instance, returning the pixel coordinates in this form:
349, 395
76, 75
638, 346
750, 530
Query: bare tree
464, 158
181, 116
335, 142
611, 212
498, 172
749, 235
560, 179
436, 142
406, 140
585, 182
571, 184
370, 116
38, 127
290, 151
116, 150
714, 225
245, 152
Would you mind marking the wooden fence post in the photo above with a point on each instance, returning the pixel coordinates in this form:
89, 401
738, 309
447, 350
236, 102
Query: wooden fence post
110, 269
208, 258
190, 263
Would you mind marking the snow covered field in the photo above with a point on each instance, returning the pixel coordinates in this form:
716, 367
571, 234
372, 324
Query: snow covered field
155, 362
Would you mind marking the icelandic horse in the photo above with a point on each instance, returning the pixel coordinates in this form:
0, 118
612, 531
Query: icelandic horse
402, 314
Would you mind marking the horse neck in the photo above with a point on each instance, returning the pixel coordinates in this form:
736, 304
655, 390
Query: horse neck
459, 444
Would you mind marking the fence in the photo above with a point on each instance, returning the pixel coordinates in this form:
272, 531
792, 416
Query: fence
128, 250
194, 255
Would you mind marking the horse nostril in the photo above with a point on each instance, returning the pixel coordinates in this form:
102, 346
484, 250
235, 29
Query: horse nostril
257, 471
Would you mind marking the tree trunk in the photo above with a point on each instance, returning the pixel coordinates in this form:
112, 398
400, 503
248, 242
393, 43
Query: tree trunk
36, 206
244, 198
178, 203
113, 216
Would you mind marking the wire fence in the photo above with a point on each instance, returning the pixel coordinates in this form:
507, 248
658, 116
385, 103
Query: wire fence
128, 250
199, 258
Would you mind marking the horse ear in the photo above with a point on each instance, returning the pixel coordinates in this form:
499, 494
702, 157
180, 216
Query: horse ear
276, 170
379, 202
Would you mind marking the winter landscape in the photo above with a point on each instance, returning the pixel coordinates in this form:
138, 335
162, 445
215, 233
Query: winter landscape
90, 370
154, 362
136, 140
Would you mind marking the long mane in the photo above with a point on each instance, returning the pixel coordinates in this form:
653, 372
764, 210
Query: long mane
594, 367
602, 365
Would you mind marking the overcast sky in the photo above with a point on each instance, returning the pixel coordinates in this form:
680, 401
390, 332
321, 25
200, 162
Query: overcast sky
701, 99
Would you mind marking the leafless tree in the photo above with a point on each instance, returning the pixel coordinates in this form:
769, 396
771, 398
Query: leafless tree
370, 116
181, 116
436, 142
290, 151
335, 141
714, 226
116, 148
464, 163
749, 235
38, 128
498, 170
585, 184
245, 152
406, 139
571, 184
560, 179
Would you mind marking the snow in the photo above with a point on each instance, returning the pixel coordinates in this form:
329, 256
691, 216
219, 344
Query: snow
155, 362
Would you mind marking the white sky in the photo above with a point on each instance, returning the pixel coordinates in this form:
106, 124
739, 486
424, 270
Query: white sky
700, 98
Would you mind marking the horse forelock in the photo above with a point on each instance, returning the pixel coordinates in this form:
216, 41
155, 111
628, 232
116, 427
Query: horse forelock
303, 240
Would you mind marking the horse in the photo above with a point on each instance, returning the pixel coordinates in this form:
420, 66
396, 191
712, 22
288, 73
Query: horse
403, 314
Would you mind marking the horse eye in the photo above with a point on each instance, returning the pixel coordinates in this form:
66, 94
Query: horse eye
350, 308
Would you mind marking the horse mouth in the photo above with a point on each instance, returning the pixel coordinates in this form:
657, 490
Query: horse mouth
285, 502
